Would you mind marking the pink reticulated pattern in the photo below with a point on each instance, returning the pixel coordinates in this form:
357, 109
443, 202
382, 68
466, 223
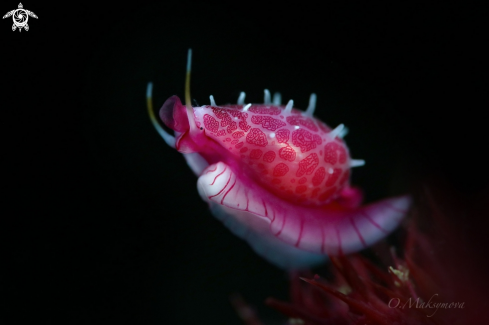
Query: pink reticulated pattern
282, 135
290, 154
267, 122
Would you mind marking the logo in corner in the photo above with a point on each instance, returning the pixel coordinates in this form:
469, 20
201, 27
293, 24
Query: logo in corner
20, 17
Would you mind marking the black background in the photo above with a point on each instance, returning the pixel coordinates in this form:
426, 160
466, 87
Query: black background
103, 221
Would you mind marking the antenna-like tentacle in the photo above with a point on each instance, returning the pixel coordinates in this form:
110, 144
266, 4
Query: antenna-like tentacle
336, 131
356, 163
213, 102
277, 99
241, 98
266, 98
289, 106
169, 139
190, 111
312, 105
343, 132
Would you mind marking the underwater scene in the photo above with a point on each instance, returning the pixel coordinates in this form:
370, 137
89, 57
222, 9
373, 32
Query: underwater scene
196, 163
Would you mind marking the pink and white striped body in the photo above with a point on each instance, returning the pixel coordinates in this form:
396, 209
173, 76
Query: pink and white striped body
279, 178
